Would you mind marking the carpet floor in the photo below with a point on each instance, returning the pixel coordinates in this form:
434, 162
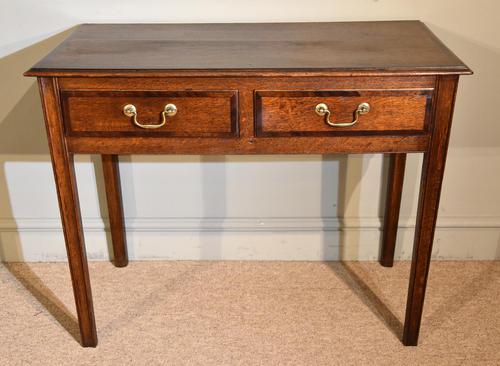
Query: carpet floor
250, 313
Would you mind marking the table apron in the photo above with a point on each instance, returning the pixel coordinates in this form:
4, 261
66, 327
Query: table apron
248, 146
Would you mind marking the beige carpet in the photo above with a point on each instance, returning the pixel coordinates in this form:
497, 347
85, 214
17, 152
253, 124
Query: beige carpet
250, 313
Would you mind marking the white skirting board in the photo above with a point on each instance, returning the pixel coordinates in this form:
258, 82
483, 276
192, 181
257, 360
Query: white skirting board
315, 239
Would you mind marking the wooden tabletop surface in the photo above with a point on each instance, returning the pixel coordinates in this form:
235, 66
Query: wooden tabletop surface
392, 46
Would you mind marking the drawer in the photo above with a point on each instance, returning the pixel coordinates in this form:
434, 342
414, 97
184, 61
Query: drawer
294, 112
189, 113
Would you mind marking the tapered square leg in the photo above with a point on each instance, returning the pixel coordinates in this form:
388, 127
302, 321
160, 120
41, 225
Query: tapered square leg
430, 189
395, 180
115, 208
64, 174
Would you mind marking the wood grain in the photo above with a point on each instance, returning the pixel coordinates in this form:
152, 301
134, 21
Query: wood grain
199, 113
352, 46
249, 89
430, 191
112, 184
395, 180
289, 81
253, 146
92, 122
64, 174
292, 113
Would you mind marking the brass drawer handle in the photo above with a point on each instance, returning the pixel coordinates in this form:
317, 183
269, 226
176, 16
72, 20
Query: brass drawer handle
322, 109
131, 111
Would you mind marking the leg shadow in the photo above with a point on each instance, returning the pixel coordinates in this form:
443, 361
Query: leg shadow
346, 208
32, 283
467, 292
22, 132
103, 205
214, 206
350, 173
343, 271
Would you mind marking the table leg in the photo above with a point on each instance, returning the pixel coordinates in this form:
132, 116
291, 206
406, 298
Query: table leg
115, 209
64, 174
430, 189
392, 205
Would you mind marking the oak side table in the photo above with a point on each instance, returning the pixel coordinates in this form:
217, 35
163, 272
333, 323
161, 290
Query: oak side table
289, 88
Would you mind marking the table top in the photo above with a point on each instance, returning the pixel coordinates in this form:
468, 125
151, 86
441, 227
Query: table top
392, 46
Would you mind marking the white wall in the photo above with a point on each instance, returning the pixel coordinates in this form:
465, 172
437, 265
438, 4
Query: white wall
249, 207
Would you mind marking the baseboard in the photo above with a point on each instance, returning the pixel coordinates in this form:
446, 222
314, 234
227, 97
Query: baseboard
247, 224
456, 238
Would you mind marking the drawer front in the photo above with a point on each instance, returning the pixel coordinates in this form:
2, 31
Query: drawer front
198, 113
293, 113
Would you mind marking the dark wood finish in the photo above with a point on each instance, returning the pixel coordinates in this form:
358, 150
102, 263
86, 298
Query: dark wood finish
199, 113
292, 113
430, 190
115, 208
245, 146
352, 46
248, 82
250, 89
64, 175
148, 143
395, 180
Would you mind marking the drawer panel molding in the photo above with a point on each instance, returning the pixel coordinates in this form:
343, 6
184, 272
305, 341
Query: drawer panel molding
299, 112
197, 113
